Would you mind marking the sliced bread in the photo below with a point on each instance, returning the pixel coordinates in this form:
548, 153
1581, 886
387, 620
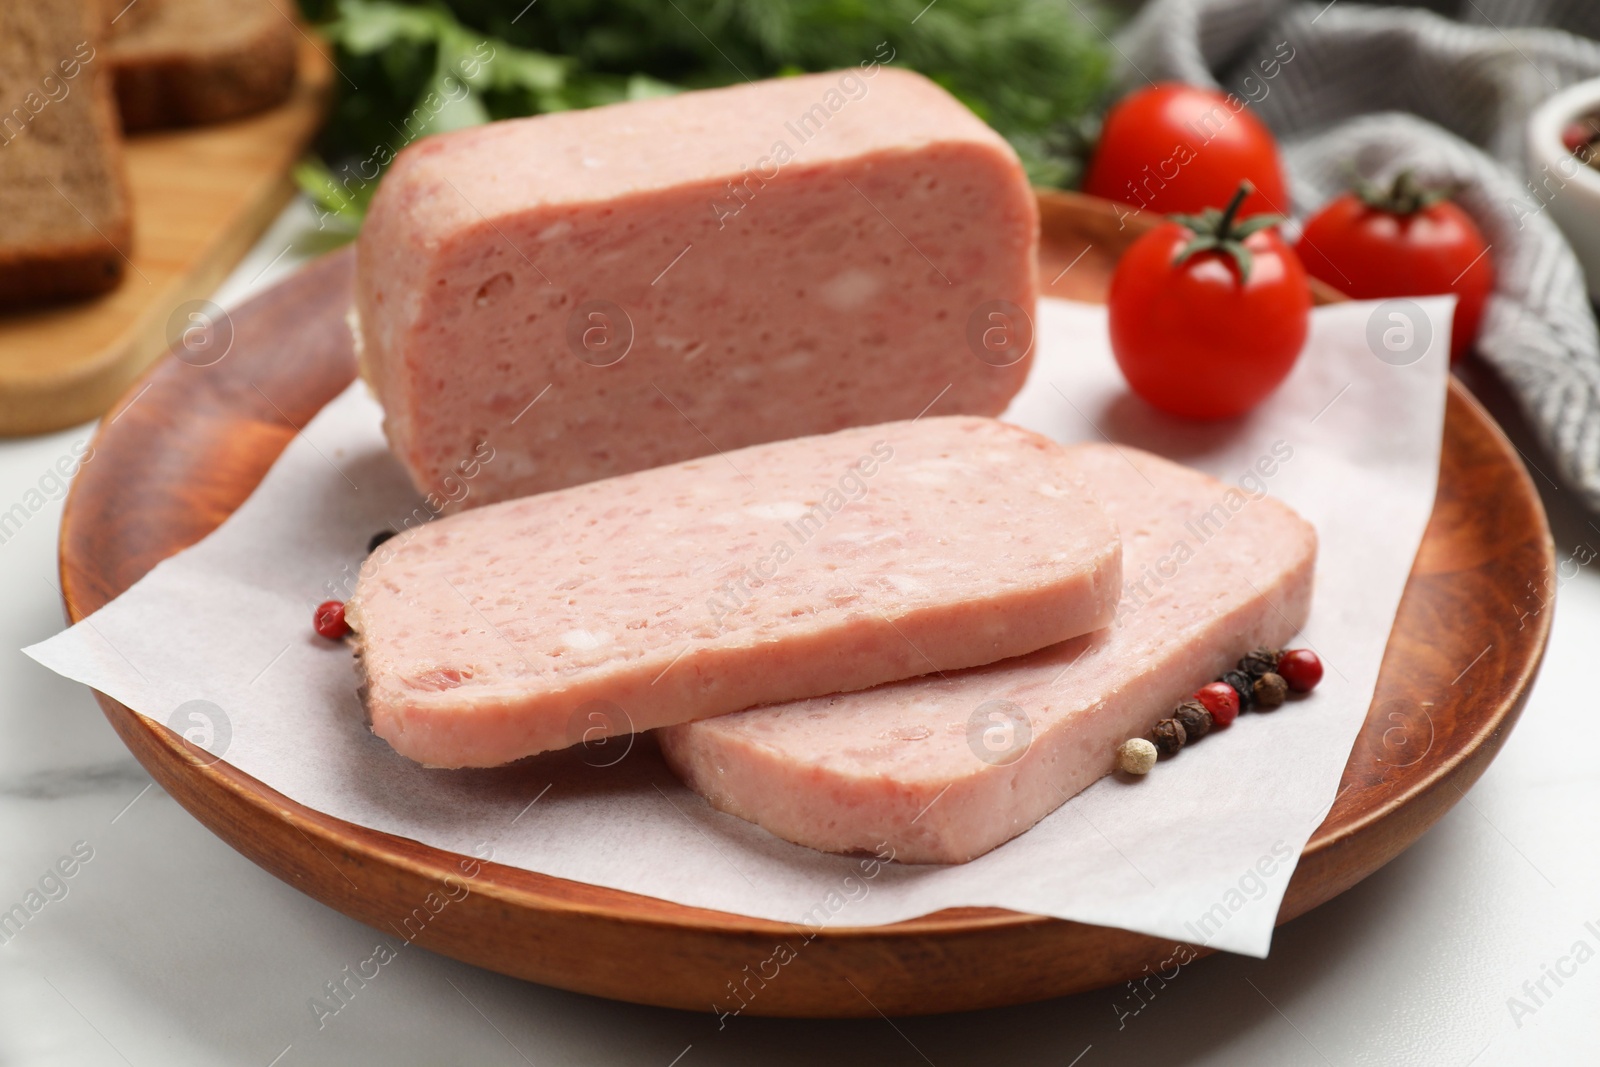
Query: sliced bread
65, 226
190, 62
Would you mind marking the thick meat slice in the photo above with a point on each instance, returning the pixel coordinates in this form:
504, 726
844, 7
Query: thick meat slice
775, 572
674, 276
944, 769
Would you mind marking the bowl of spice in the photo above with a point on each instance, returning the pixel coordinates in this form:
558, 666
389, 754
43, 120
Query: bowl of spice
1564, 170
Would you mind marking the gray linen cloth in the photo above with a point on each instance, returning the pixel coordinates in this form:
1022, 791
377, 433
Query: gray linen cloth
1387, 88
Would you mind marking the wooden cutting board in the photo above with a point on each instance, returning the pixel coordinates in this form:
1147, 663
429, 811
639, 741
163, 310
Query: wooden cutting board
192, 444
200, 198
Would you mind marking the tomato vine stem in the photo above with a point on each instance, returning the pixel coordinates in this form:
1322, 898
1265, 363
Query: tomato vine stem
1222, 231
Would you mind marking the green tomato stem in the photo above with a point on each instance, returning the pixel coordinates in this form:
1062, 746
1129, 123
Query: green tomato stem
1223, 231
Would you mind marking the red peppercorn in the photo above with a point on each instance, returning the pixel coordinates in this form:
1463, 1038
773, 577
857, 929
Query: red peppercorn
1221, 700
1579, 135
328, 620
1301, 668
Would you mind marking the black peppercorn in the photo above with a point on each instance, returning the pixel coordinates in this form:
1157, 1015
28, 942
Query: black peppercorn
1259, 662
1242, 684
383, 535
1194, 718
1168, 736
1271, 690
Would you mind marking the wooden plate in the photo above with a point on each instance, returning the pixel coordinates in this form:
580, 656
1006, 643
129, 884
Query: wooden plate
200, 199
188, 449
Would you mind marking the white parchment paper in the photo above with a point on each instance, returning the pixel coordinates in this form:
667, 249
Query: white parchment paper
1200, 852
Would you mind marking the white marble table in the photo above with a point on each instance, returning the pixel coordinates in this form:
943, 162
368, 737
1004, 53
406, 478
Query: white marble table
166, 947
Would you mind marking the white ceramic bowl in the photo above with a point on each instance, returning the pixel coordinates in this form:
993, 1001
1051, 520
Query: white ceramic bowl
1569, 188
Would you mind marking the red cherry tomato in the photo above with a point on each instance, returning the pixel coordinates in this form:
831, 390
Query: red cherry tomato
1174, 147
1210, 335
1403, 241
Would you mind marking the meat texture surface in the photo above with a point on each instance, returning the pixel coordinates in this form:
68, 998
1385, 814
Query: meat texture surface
946, 767
770, 573
595, 292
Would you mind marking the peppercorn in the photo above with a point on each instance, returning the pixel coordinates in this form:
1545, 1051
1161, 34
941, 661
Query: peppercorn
1221, 700
1168, 736
1270, 691
1259, 662
377, 539
1194, 718
1242, 684
1301, 668
1136, 756
328, 620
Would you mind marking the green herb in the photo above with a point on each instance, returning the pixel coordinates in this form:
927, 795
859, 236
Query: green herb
1035, 70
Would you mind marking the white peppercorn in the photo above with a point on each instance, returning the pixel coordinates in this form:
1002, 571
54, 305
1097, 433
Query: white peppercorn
1136, 756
